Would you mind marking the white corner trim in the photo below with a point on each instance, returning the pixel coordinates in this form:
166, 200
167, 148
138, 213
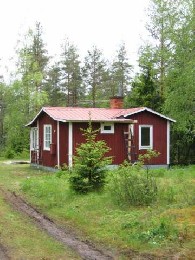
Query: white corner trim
58, 144
168, 142
70, 144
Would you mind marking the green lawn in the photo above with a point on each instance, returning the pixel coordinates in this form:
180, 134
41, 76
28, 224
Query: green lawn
164, 228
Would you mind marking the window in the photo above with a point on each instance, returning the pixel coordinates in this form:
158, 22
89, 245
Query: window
145, 137
107, 128
47, 137
34, 138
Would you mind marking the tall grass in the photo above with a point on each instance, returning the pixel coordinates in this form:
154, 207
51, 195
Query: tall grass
175, 186
49, 190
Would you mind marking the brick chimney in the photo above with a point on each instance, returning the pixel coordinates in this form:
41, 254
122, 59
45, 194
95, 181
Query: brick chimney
116, 102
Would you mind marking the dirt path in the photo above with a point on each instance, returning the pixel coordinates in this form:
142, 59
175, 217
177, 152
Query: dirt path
85, 249
3, 253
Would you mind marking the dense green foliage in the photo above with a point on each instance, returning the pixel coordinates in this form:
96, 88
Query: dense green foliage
89, 170
145, 89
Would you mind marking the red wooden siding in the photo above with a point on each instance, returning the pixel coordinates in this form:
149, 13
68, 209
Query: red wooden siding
114, 141
63, 143
159, 135
47, 158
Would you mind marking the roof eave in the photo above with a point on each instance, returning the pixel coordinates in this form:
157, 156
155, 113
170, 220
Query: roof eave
126, 121
34, 119
153, 112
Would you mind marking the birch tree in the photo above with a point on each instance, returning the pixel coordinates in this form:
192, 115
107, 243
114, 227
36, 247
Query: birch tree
180, 97
26, 94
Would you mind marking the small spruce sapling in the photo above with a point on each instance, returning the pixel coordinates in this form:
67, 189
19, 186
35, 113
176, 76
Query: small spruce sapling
89, 163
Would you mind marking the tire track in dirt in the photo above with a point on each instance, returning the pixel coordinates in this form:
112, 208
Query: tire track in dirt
85, 249
3, 253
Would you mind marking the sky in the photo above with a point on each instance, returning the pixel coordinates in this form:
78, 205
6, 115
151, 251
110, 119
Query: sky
104, 23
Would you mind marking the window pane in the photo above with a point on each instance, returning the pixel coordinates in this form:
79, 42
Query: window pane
145, 136
34, 138
47, 136
107, 127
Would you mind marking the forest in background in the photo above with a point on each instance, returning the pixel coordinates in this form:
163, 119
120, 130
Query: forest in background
165, 81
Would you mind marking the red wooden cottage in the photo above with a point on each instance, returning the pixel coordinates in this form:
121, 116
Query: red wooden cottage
56, 132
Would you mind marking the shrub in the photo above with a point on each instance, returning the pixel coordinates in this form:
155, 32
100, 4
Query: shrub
9, 153
89, 164
130, 185
24, 154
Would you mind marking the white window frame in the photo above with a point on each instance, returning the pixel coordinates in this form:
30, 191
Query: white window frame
34, 138
46, 147
103, 131
150, 146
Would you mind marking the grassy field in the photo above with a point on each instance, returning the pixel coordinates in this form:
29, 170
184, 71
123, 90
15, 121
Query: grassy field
164, 228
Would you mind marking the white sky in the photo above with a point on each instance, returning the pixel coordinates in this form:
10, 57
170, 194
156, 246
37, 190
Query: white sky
104, 23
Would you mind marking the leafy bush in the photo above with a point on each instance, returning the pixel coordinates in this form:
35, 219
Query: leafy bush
89, 164
9, 153
130, 185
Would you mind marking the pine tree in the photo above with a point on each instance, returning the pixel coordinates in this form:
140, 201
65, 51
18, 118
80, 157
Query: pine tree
94, 75
145, 91
163, 19
71, 74
55, 94
120, 72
